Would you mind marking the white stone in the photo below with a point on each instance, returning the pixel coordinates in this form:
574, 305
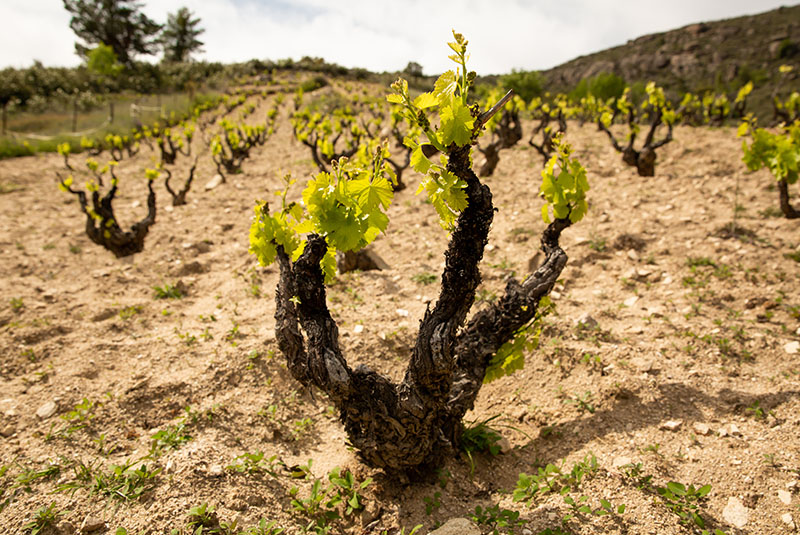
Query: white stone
46, 410
792, 348
457, 526
358, 329
785, 497
402, 312
214, 182
629, 302
701, 428
733, 429
735, 513
633, 255
621, 461
671, 425
787, 519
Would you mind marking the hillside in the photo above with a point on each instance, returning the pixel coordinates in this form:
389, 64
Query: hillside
720, 56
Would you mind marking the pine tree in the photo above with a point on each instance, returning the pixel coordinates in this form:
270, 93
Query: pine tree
179, 37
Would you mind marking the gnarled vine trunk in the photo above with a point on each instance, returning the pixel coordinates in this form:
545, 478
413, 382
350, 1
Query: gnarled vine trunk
411, 425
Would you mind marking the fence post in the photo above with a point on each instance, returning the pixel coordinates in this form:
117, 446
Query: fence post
75, 114
111, 112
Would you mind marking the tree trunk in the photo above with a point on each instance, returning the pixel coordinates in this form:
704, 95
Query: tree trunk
5, 117
787, 209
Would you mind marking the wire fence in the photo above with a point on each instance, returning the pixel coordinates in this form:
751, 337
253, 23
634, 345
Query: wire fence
75, 118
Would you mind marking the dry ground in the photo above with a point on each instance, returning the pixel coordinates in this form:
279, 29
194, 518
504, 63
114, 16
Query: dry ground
694, 331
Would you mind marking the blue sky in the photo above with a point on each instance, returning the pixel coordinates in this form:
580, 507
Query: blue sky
381, 35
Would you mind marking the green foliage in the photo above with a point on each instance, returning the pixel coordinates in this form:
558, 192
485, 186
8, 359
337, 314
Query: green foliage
347, 206
180, 36
684, 501
779, 152
171, 438
511, 355
456, 129
479, 437
43, 519
102, 60
564, 185
527, 84
168, 291
496, 518
255, 463
123, 482
551, 479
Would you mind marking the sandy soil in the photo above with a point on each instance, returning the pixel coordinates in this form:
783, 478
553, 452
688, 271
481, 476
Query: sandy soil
692, 368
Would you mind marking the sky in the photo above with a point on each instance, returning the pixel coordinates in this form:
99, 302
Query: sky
384, 35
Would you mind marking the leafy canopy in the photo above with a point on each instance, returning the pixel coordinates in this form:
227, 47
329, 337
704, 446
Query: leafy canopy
564, 185
456, 129
347, 206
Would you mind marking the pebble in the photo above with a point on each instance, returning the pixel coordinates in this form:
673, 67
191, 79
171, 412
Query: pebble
214, 182
733, 429
371, 513
785, 497
701, 428
621, 461
629, 302
215, 470
633, 255
787, 519
504, 444
402, 312
671, 425
8, 430
735, 513
46, 410
358, 329
792, 348
92, 523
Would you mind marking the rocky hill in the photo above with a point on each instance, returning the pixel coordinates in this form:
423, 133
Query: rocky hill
720, 56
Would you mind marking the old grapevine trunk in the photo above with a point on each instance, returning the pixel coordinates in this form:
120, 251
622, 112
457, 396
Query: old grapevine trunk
410, 425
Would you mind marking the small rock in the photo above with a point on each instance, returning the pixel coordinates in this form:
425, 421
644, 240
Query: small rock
8, 430
585, 321
457, 526
46, 410
555, 295
215, 470
358, 329
92, 523
504, 444
402, 312
629, 302
621, 461
526, 531
644, 365
671, 425
792, 484
701, 428
792, 348
787, 519
785, 497
733, 429
66, 528
736, 513
722, 432
371, 513
136, 204
633, 255
214, 182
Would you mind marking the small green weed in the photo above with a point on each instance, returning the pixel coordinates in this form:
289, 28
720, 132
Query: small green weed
495, 518
168, 291
43, 519
424, 278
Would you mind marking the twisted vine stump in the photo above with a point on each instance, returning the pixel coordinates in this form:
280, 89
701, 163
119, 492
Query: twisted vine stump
411, 425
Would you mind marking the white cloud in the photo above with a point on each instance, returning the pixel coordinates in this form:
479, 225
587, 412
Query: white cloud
384, 35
